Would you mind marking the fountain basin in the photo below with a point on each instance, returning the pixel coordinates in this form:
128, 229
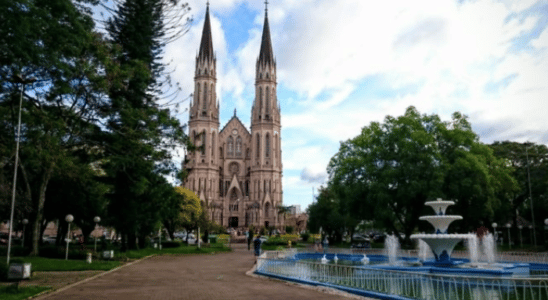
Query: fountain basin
439, 206
442, 245
440, 223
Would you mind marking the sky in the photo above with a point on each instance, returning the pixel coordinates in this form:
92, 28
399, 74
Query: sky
344, 64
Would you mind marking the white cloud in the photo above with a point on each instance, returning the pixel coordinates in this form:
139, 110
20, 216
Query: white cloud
457, 56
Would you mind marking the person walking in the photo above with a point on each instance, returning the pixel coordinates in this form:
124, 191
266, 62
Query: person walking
249, 236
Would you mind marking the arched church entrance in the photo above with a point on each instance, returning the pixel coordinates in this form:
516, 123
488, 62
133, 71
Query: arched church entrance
233, 222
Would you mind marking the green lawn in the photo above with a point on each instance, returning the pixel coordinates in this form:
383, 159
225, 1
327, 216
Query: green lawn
53, 264
13, 293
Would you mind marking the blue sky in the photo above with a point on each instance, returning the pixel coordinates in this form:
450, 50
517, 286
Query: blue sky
344, 64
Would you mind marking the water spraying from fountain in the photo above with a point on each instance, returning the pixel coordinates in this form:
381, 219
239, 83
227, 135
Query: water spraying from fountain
365, 260
424, 251
392, 246
336, 259
489, 248
473, 248
324, 260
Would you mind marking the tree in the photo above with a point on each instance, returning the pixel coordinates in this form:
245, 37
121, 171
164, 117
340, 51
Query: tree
387, 172
54, 42
191, 209
140, 133
325, 213
529, 163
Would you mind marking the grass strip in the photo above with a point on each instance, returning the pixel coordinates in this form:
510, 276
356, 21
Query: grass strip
12, 292
52, 264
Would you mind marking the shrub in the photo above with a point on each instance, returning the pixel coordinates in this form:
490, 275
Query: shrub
289, 229
75, 251
282, 240
305, 236
3, 271
171, 244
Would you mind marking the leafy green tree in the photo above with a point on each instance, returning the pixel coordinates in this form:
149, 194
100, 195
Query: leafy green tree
141, 134
52, 41
387, 172
529, 163
325, 213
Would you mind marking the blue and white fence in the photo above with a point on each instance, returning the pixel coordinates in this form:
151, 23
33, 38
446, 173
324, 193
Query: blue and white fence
390, 284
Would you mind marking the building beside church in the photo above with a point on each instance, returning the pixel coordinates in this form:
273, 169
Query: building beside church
238, 172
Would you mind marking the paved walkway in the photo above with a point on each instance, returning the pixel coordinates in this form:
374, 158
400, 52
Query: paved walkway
220, 276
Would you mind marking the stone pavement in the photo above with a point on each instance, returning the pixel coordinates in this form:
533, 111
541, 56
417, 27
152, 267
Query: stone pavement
219, 276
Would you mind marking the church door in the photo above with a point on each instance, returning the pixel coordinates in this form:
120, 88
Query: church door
233, 222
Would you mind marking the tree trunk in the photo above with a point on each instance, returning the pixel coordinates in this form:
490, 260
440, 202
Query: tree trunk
131, 241
123, 248
142, 241
39, 207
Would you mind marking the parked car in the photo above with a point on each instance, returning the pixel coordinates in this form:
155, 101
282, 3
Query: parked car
50, 240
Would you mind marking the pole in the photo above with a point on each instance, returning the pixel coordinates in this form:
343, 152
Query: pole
520, 236
68, 241
509, 239
23, 235
531, 196
15, 170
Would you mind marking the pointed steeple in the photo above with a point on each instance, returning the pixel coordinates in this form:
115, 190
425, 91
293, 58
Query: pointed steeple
206, 45
266, 54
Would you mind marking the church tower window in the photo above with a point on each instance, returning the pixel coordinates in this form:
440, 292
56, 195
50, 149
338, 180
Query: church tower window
267, 143
267, 96
258, 151
213, 144
203, 142
205, 97
230, 144
197, 98
238, 146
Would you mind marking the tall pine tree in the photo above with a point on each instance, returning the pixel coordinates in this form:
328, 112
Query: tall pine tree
141, 133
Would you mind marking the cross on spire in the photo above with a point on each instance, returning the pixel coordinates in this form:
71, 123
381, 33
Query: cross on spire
266, 5
207, 3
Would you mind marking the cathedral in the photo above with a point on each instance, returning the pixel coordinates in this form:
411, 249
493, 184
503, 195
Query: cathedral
237, 173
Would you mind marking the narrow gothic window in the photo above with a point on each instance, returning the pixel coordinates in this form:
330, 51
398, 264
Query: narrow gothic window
276, 147
212, 94
230, 142
260, 99
267, 145
197, 98
203, 142
213, 145
266, 209
205, 96
267, 100
239, 146
258, 151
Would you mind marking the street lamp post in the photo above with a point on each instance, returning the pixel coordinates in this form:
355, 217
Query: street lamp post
25, 222
509, 239
97, 219
495, 230
545, 228
531, 234
69, 218
22, 81
520, 236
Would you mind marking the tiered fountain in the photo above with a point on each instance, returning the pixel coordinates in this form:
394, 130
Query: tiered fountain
441, 242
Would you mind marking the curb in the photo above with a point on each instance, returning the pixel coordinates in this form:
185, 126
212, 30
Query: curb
48, 293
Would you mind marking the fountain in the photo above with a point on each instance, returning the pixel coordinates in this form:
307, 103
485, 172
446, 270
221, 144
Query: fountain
441, 242
434, 274
392, 247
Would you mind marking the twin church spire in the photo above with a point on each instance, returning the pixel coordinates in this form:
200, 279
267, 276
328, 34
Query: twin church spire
205, 104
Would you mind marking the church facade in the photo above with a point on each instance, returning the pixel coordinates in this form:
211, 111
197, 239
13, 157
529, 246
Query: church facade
237, 173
